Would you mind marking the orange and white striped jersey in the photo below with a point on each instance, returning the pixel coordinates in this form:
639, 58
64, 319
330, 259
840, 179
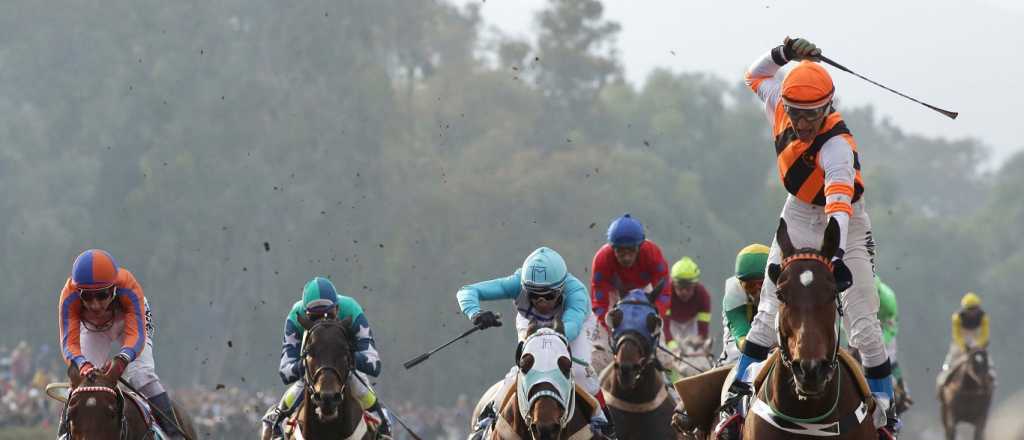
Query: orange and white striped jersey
824, 172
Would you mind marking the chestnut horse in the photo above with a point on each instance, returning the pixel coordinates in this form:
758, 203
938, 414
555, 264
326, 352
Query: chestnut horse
967, 394
97, 409
807, 392
543, 403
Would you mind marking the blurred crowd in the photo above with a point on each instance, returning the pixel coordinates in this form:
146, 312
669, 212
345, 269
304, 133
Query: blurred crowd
218, 412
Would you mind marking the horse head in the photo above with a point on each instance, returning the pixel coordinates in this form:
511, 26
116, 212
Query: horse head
95, 407
328, 360
978, 367
544, 387
635, 325
808, 340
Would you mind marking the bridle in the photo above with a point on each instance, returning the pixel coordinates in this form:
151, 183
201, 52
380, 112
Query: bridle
310, 378
784, 355
118, 397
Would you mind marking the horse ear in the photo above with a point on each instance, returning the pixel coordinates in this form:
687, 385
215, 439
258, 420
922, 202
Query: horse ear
74, 375
526, 362
565, 364
774, 270
614, 318
653, 323
304, 321
782, 238
830, 244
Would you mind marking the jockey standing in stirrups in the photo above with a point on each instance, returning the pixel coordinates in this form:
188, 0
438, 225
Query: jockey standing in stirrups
818, 164
102, 305
321, 300
543, 290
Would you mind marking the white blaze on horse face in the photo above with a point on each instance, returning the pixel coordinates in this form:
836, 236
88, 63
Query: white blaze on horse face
806, 278
90, 402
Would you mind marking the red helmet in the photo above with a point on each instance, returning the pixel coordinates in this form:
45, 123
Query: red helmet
94, 269
807, 86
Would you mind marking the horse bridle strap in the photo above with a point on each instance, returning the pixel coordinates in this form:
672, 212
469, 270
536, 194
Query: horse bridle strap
806, 256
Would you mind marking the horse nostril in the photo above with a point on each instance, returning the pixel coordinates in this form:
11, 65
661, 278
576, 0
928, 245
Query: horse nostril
335, 397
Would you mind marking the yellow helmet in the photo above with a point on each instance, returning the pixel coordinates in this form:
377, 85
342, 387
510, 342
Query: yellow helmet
970, 300
686, 269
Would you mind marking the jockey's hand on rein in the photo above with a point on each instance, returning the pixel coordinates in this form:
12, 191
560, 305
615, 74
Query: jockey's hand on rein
114, 368
844, 279
487, 319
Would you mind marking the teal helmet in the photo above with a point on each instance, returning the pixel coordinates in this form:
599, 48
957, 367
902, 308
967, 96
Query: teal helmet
543, 271
319, 295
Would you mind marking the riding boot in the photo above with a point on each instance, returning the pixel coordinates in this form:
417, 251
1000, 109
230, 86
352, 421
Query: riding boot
272, 421
385, 419
734, 408
166, 417
484, 421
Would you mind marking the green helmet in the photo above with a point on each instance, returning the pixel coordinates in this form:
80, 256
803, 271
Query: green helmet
751, 261
319, 293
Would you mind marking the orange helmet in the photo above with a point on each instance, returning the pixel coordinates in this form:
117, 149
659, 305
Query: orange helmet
94, 269
807, 86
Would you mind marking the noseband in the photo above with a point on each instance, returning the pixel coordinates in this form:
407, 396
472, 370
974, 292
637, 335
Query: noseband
118, 397
784, 355
311, 378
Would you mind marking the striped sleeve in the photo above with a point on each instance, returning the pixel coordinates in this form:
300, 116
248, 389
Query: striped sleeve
836, 159
68, 324
131, 298
761, 79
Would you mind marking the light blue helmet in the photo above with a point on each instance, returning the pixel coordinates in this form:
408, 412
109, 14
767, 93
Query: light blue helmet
544, 270
625, 231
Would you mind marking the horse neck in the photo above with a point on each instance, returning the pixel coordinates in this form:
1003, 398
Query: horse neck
785, 399
342, 426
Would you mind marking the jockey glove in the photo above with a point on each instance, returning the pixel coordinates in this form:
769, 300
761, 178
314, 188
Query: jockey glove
486, 319
114, 368
87, 371
797, 49
844, 279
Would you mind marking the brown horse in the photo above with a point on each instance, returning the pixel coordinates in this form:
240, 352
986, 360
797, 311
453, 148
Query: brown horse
633, 386
967, 394
329, 410
806, 390
545, 416
98, 410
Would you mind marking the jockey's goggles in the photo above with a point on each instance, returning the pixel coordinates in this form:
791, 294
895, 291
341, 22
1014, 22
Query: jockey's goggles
683, 284
544, 293
807, 114
316, 313
101, 294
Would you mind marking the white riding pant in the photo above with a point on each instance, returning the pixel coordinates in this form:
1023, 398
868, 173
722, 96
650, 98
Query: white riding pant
98, 346
806, 226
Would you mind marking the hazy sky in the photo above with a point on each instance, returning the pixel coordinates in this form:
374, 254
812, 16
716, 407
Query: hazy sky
962, 55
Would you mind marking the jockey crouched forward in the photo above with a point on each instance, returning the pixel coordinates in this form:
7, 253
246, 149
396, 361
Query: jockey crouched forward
321, 300
102, 305
543, 290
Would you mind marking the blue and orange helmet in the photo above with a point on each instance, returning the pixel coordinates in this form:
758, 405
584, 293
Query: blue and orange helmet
94, 269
